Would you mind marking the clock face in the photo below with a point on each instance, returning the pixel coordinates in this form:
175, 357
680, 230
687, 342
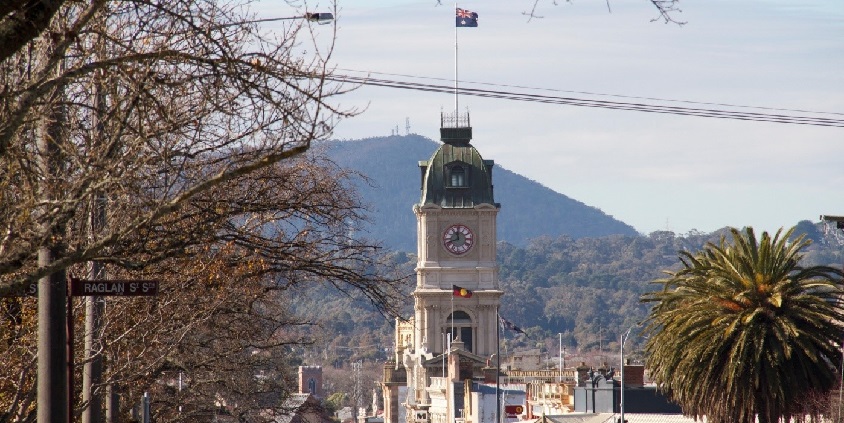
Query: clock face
458, 239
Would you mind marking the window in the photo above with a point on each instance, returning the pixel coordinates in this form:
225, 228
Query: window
457, 176
462, 328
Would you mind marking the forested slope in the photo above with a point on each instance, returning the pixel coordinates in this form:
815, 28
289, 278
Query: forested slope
588, 289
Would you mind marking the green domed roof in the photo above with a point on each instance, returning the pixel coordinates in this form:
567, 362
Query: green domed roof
457, 176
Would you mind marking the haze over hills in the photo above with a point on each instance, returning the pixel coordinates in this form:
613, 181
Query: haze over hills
528, 209
569, 272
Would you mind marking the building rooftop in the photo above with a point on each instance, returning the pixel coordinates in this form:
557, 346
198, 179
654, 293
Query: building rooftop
613, 417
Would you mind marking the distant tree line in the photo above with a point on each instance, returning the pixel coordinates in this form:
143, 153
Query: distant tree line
588, 289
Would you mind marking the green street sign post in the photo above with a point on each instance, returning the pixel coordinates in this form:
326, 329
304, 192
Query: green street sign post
105, 287
113, 287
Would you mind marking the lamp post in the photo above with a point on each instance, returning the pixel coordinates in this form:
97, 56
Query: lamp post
560, 352
497, 386
621, 369
498, 324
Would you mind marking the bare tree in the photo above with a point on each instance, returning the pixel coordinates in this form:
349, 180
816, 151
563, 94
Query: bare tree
150, 107
220, 332
194, 95
829, 405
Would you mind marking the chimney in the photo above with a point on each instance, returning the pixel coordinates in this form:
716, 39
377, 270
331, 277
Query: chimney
582, 373
489, 374
634, 374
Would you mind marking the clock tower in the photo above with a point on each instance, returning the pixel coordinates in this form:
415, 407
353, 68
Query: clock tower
453, 333
456, 218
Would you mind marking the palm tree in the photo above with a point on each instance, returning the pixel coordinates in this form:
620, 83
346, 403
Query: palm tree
743, 332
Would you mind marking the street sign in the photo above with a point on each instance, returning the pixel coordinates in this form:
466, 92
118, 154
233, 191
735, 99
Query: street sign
113, 287
513, 410
29, 290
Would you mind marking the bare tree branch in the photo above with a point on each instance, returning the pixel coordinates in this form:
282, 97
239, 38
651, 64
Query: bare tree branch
191, 87
666, 9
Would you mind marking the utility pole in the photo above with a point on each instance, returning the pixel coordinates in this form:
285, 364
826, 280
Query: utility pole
560, 352
356, 366
92, 371
52, 396
112, 409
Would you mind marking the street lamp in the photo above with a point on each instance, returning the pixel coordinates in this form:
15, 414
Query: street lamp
321, 18
621, 390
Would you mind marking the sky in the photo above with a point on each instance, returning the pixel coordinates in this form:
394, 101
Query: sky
653, 171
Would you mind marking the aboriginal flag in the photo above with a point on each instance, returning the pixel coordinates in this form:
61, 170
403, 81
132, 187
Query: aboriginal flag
461, 292
466, 18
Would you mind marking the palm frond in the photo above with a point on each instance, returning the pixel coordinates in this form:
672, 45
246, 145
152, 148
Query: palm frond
756, 329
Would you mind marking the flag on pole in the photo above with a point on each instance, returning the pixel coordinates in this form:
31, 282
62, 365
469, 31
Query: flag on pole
466, 18
510, 325
461, 292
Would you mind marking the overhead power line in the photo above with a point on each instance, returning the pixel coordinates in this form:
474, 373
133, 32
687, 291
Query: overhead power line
710, 112
632, 97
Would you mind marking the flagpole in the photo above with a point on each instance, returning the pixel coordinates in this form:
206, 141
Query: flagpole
451, 335
456, 109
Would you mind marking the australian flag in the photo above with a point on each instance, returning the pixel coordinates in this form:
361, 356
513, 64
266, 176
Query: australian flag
506, 324
466, 18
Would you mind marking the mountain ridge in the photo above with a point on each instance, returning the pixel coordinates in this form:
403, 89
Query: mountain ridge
529, 209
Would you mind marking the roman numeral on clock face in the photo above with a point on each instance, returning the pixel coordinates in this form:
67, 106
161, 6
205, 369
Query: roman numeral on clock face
458, 239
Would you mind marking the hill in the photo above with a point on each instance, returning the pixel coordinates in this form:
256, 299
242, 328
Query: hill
584, 292
570, 273
529, 209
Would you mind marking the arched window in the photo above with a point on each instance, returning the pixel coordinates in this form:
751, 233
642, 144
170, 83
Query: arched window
460, 325
457, 176
312, 386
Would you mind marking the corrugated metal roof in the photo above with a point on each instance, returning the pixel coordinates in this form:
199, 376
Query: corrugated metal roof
612, 418
659, 418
